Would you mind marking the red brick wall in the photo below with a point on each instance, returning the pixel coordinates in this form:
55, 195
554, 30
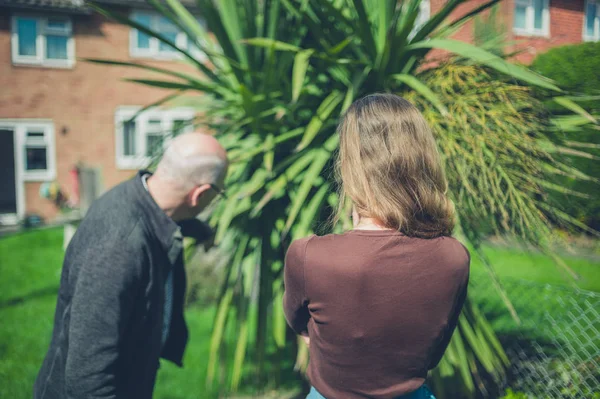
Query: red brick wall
466, 32
82, 101
566, 27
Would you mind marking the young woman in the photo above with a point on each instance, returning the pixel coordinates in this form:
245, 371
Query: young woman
378, 304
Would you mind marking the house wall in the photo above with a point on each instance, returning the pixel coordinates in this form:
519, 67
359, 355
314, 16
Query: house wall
80, 101
566, 26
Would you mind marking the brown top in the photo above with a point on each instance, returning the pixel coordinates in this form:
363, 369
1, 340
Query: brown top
379, 307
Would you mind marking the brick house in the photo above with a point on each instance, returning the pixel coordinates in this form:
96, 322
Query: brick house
535, 26
57, 111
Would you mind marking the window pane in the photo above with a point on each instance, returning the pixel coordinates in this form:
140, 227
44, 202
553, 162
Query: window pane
154, 126
129, 138
58, 24
164, 24
35, 134
538, 22
143, 19
168, 31
192, 45
35, 158
27, 34
590, 16
180, 126
520, 17
56, 47
154, 144
172, 36
143, 40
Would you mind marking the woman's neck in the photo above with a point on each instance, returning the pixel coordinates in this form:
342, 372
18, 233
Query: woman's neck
369, 224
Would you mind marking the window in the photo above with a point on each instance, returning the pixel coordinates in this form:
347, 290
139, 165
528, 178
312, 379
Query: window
422, 18
143, 45
154, 137
36, 151
45, 41
34, 148
38, 145
591, 22
140, 140
532, 18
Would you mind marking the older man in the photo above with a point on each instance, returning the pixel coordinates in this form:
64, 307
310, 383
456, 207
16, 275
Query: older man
120, 304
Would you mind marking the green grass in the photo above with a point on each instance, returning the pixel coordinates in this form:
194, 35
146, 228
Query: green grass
538, 288
30, 265
29, 275
519, 263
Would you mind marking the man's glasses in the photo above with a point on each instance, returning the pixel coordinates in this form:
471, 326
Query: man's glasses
218, 190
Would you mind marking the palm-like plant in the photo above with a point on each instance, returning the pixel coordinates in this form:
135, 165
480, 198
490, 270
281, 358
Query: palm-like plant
277, 75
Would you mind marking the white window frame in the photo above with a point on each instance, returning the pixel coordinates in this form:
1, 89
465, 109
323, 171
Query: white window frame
19, 127
422, 18
529, 29
40, 58
154, 52
167, 118
596, 36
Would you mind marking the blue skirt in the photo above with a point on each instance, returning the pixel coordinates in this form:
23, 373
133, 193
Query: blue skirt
421, 393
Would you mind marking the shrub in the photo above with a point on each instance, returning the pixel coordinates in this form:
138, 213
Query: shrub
514, 395
575, 68
274, 87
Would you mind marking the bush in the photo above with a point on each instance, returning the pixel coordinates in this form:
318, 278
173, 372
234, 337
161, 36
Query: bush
514, 395
204, 276
575, 68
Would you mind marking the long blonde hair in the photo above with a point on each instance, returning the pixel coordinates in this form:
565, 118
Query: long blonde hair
389, 167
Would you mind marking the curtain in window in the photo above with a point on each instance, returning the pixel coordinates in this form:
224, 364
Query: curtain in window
168, 31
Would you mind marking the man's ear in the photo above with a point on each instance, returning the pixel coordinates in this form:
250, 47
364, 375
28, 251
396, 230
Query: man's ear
197, 193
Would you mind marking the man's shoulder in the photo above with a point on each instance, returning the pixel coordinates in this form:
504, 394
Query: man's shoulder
120, 198
115, 219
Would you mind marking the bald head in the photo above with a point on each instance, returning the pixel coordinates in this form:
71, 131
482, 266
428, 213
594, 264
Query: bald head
193, 159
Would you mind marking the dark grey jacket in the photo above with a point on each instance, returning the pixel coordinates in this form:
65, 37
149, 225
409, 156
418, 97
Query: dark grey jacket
108, 323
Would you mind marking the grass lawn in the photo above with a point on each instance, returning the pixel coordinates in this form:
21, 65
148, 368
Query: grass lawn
533, 266
30, 265
538, 289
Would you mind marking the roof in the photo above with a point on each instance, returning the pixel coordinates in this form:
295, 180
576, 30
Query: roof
76, 6
69, 6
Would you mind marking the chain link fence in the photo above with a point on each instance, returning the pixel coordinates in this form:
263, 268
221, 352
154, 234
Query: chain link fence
555, 346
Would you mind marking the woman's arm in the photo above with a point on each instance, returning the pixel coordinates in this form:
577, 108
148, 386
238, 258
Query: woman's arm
295, 301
